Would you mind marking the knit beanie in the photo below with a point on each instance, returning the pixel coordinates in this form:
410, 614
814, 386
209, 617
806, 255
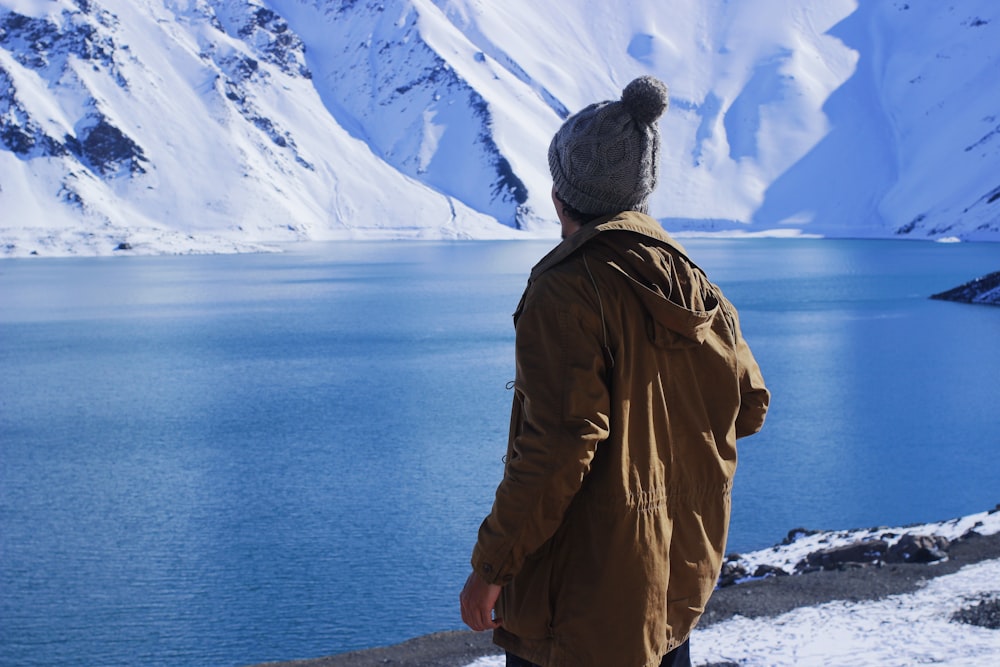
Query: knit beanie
604, 159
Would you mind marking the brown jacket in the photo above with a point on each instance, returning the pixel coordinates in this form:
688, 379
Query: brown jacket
633, 383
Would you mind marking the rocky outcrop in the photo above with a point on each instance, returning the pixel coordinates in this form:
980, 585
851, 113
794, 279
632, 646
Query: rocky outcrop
886, 549
49, 48
859, 553
985, 613
985, 290
918, 549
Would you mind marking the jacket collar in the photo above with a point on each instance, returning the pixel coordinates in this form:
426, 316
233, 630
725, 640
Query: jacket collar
629, 221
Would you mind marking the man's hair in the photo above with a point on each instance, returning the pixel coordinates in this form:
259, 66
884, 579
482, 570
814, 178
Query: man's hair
575, 215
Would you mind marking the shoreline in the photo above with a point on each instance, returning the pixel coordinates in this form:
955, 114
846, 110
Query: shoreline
761, 598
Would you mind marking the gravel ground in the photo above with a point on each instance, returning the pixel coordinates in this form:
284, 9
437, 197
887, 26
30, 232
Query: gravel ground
756, 599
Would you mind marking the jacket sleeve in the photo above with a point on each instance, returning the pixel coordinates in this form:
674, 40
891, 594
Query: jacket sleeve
754, 396
560, 414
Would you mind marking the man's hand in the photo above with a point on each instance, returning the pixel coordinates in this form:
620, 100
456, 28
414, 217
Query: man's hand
478, 599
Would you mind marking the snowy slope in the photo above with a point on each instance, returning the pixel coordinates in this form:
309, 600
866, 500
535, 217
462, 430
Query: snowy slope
228, 125
427, 100
913, 147
179, 127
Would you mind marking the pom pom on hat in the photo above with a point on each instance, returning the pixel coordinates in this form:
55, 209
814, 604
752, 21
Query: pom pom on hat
605, 158
646, 98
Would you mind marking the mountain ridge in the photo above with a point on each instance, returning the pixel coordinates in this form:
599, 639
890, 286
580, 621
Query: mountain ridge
235, 125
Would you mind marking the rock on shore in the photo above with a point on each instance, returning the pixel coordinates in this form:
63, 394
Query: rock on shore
984, 290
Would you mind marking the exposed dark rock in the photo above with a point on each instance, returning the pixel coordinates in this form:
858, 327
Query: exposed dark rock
507, 187
868, 551
798, 533
732, 572
68, 194
985, 290
106, 149
19, 133
985, 614
918, 549
275, 41
42, 45
238, 71
769, 571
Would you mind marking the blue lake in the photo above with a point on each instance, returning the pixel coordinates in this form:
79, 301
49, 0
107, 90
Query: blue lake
236, 459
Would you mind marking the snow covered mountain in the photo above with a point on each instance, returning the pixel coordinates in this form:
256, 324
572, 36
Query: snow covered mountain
226, 125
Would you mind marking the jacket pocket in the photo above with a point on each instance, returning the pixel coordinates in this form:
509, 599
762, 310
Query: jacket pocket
525, 604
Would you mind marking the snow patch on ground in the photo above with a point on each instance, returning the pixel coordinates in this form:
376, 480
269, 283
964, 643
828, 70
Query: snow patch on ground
910, 629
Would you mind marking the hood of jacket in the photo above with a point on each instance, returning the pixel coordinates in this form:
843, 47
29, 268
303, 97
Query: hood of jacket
680, 301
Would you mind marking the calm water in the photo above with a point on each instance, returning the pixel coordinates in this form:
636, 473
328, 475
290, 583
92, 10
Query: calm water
231, 460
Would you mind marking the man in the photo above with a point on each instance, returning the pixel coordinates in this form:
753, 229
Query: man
633, 383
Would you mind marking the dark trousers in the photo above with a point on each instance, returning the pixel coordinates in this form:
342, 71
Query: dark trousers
679, 657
